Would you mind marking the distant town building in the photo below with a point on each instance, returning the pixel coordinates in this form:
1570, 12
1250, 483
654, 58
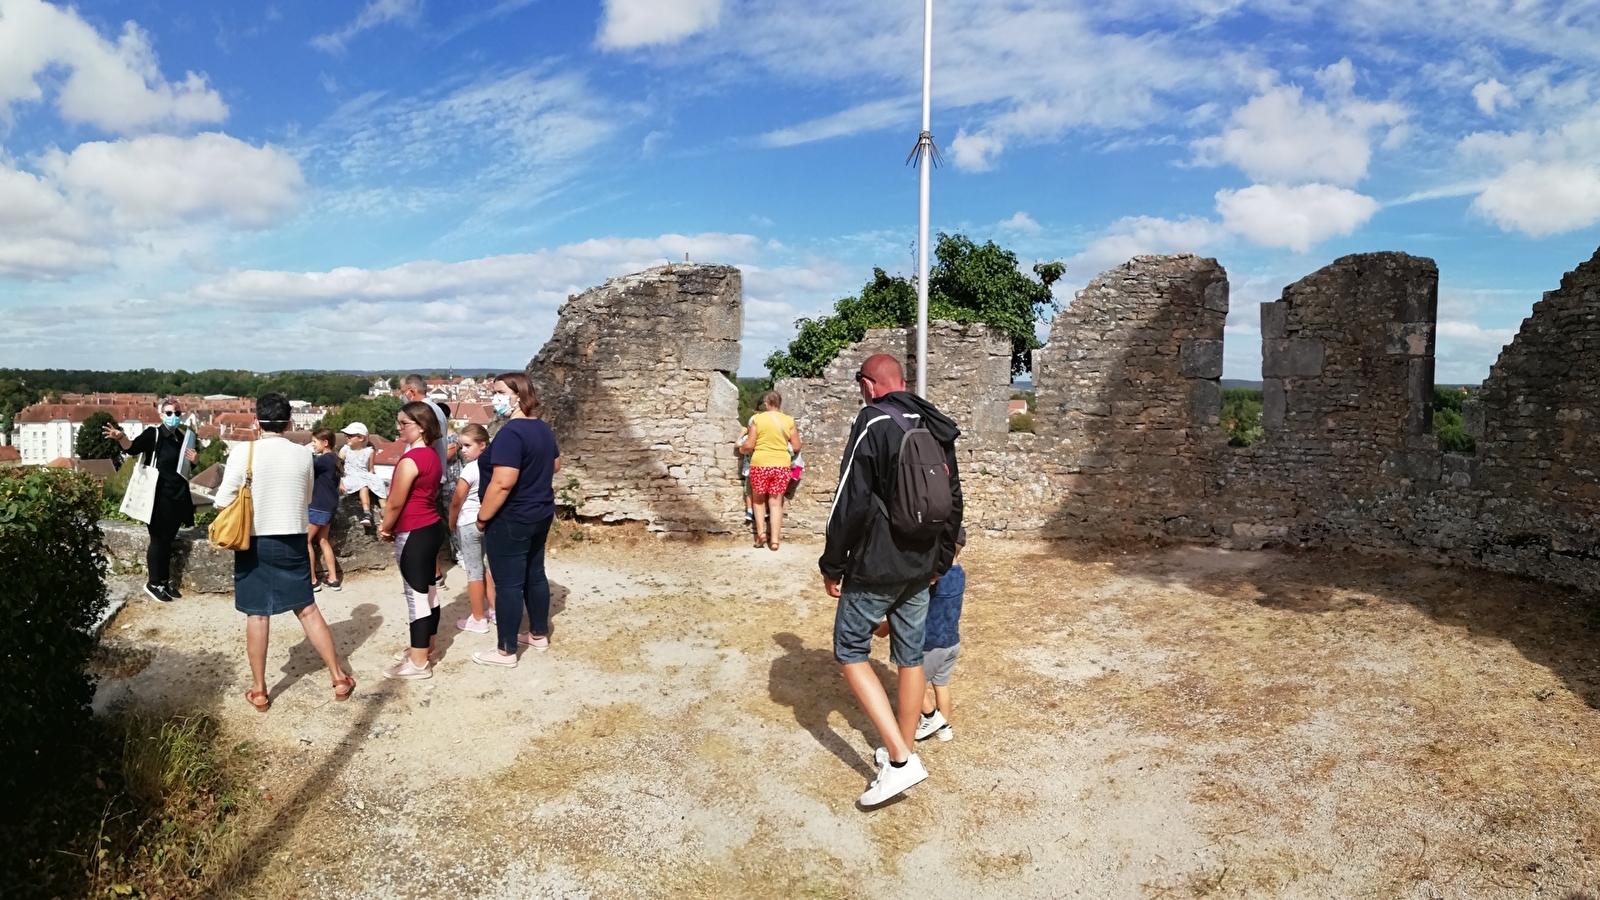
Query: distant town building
380, 388
49, 431
304, 415
10, 457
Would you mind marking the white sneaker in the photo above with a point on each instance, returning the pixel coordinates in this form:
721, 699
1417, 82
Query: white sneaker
494, 658
476, 626
892, 782
928, 725
404, 670
881, 757
404, 654
540, 643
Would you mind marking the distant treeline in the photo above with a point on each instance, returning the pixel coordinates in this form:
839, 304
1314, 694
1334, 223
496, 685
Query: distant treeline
20, 388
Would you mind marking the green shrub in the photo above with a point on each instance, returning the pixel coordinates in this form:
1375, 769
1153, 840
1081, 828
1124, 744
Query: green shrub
54, 573
1241, 416
1022, 422
1452, 437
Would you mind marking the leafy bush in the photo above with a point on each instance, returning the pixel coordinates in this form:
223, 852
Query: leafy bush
377, 413
1022, 422
1452, 437
54, 573
969, 283
1241, 416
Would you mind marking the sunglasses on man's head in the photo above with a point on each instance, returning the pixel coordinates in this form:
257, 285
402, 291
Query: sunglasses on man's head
862, 376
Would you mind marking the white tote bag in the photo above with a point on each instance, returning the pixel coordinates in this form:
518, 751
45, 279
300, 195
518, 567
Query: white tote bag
139, 500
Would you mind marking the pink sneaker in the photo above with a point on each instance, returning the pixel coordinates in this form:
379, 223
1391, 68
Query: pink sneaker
474, 625
541, 643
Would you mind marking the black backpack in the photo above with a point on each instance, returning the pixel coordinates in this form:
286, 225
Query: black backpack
919, 505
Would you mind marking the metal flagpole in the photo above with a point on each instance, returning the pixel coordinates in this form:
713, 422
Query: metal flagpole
925, 152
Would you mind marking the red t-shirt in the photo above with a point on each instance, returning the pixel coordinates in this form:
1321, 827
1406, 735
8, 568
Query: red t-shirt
422, 504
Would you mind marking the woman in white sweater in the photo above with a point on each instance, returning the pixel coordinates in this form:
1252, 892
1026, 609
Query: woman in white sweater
270, 577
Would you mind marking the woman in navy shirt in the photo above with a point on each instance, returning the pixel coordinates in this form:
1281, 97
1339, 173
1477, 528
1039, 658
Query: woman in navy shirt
518, 505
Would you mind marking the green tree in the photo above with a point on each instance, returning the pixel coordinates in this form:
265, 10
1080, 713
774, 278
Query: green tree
377, 413
15, 396
1241, 416
970, 283
211, 454
92, 443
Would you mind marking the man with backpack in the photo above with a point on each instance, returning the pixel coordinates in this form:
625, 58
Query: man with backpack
891, 532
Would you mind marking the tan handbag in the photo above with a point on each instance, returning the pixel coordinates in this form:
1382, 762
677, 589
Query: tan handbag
230, 530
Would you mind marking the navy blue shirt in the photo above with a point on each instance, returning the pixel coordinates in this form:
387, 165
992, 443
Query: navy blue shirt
325, 482
944, 609
529, 446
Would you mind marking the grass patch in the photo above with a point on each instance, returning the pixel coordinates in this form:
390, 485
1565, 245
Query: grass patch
144, 808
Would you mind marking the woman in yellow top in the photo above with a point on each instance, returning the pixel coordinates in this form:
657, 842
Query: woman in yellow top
776, 439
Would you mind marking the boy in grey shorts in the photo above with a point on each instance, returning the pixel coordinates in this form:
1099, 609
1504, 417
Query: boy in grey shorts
942, 646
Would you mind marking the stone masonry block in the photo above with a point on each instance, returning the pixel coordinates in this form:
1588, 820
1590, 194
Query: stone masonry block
1274, 320
1408, 339
1216, 296
1295, 358
1205, 401
1274, 403
1201, 359
1419, 394
719, 356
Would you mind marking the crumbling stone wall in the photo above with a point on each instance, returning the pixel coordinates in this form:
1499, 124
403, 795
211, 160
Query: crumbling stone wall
637, 384
1128, 395
1128, 442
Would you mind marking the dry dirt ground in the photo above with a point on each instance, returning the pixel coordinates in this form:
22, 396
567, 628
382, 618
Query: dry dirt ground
1170, 723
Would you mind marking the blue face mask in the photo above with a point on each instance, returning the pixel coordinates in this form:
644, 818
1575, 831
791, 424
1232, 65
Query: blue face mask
502, 404
171, 421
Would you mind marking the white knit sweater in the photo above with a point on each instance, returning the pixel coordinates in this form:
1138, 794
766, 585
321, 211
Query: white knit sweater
280, 486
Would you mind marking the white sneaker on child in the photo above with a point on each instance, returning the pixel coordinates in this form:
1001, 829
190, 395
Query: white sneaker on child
474, 625
928, 725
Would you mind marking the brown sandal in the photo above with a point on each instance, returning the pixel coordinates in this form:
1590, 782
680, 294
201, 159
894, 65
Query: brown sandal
761, 540
265, 701
344, 687
772, 545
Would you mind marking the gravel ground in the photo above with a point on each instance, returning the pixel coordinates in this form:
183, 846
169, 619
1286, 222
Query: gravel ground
1176, 723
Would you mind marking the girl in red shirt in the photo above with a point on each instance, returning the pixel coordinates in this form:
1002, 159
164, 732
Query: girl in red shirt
411, 521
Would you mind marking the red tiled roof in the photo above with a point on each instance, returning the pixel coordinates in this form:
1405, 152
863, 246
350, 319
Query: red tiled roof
389, 455
41, 413
235, 420
10, 454
99, 468
1017, 406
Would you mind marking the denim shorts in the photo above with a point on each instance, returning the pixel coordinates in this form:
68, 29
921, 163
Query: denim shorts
862, 607
320, 516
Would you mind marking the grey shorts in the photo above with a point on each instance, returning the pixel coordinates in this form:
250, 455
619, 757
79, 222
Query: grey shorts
470, 555
938, 662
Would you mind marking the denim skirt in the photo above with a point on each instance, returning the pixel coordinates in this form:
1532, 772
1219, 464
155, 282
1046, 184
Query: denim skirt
273, 576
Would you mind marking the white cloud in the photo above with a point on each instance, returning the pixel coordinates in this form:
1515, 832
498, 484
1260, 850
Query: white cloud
1491, 95
640, 23
1135, 236
437, 309
375, 13
42, 235
1021, 221
1539, 199
975, 152
1293, 217
1006, 74
159, 181
1281, 136
117, 87
865, 117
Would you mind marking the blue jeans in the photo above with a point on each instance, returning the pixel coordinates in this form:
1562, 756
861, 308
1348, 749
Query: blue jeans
516, 559
863, 606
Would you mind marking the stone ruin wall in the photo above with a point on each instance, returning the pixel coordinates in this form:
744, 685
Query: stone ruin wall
637, 384
1128, 442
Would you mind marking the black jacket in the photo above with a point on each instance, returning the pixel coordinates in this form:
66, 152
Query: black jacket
861, 548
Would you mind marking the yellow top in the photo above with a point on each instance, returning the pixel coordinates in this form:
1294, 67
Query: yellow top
772, 449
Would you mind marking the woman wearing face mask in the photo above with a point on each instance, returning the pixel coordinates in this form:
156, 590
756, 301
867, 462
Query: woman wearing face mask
173, 508
518, 504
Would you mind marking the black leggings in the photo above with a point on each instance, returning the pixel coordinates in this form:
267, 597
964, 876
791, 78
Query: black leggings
423, 630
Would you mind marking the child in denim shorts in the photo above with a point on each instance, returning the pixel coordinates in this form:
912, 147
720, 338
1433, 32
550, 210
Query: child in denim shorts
942, 646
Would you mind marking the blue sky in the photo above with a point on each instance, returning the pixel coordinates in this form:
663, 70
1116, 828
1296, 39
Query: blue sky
381, 183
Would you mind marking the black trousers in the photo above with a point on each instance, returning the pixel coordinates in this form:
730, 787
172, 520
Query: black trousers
166, 517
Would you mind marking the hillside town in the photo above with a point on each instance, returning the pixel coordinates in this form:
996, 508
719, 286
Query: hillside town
46, 433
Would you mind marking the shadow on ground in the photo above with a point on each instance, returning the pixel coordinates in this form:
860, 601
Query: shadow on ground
808, 681
1550, 625
349, 635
